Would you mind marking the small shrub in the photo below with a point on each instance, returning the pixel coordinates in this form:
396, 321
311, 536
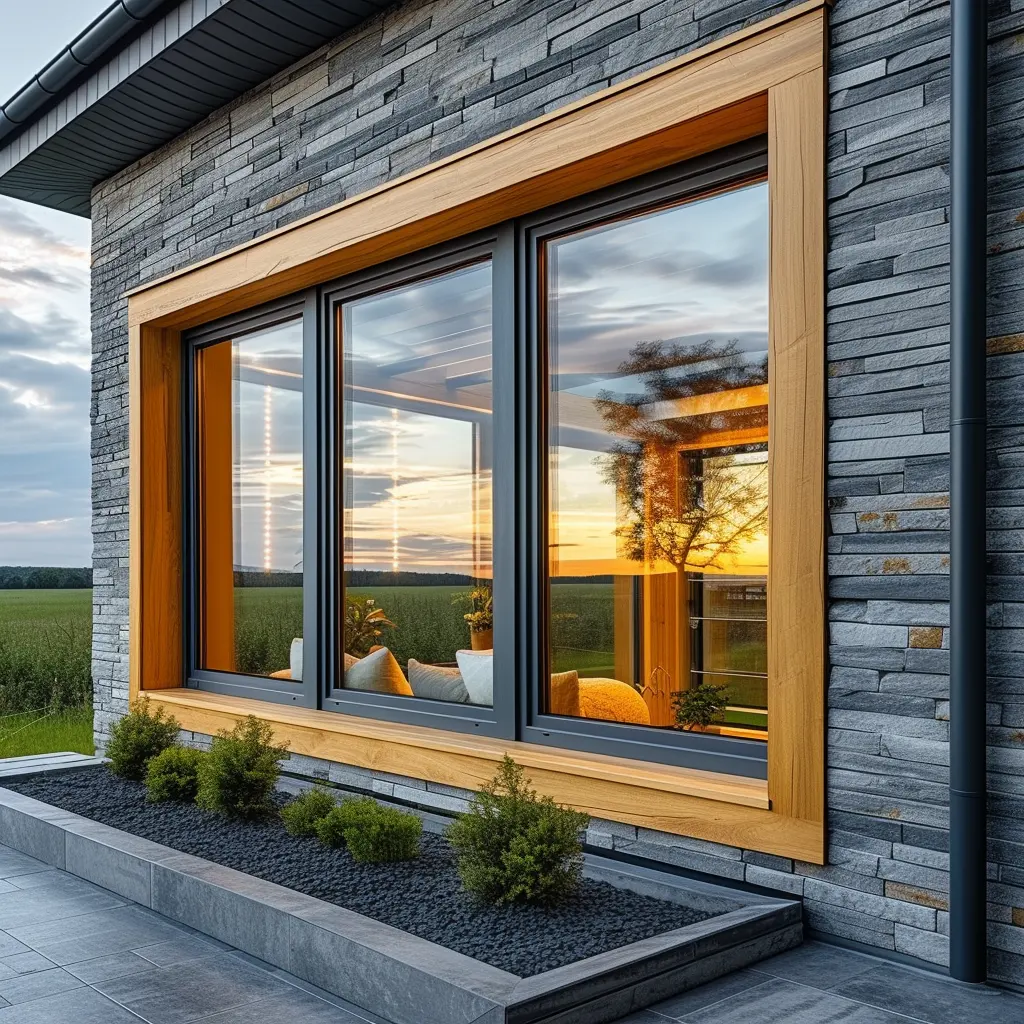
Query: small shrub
513, 847
138, 737
302, 815
700, 706
331, 828
238, 776
174, 774
388, 835
373, 834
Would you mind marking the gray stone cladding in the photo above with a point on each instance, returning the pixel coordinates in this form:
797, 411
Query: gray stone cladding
429, 78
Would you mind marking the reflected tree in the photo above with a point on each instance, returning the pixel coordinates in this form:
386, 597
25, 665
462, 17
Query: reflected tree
677, 502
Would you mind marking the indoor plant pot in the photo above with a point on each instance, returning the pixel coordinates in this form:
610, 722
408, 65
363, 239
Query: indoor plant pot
481, 639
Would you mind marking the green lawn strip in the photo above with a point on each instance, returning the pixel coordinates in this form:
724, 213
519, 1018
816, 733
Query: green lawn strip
36, 732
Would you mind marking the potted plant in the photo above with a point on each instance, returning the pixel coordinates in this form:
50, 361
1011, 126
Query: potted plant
481, 619
364, 625
700, 706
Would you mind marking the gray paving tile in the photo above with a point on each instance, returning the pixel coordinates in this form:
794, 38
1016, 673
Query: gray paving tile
24, 908
319, 993
177, 951
58, 881
8, 972
292, 1007
104, 968
785, 1002
36, 986
933, 999
13, 863
706, 995
817, 964
646, 1017
94, 935
81, 1006
9, 945
194, 990
27, 963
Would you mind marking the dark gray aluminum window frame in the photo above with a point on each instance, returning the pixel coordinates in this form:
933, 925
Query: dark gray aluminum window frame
302, 307
728, 168
519, 483
495, 246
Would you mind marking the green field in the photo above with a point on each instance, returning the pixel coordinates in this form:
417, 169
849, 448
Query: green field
429, 625
45, 676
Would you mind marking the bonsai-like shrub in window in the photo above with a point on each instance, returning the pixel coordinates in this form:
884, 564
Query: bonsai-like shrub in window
515, 847
701, 706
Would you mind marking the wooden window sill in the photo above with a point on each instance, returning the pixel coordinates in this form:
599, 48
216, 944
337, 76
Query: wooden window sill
720, 808
397, 747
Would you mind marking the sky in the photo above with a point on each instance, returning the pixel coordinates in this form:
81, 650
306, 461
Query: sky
44, 331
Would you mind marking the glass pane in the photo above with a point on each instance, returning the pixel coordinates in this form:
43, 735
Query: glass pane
249, 466
417, 489
657, 336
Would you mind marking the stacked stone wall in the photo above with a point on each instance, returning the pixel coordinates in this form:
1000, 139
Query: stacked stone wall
430, 78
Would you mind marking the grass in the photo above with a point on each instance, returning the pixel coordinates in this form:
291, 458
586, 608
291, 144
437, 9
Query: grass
45, 672
45, 649
41, 733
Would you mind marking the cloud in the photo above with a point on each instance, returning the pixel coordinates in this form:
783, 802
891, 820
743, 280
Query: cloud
19, 226
44, 394
30, 277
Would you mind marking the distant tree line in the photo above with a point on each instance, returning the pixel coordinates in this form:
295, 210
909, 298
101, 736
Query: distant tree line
31, 577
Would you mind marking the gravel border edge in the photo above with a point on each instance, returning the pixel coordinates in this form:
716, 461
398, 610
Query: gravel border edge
404, 978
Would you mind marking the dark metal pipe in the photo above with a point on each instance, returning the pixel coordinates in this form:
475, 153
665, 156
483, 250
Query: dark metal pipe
968, 181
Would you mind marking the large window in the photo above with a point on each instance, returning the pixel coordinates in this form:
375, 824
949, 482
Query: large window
656, 329
517, 484
416, 487
248, 506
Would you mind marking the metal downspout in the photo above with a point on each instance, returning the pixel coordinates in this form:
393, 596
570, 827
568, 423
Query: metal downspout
967, 682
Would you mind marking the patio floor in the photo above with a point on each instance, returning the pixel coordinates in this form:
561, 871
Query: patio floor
70, 951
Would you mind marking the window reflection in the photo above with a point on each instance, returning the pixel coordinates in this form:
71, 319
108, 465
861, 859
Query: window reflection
658, 428
249, 440
417, 488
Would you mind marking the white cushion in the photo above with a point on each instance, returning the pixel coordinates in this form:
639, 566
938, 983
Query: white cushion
296, 659
477, 668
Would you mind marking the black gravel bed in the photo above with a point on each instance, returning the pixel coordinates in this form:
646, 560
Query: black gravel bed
423, 896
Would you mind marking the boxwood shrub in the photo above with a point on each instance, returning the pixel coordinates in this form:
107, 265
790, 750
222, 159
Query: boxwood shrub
239, 774
138, 737
302, 815
373, 834
515, 847
174, 775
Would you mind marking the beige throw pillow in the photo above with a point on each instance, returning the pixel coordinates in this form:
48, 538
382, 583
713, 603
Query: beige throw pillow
377, 673
564, 696
436, 682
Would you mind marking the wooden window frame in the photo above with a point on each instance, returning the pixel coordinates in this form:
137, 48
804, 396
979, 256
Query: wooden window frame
768, 78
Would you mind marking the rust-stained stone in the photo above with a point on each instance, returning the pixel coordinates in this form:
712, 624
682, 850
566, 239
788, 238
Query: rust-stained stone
911, 894
925, 636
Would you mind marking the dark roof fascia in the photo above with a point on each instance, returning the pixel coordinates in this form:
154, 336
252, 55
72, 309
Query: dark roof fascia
113, 28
